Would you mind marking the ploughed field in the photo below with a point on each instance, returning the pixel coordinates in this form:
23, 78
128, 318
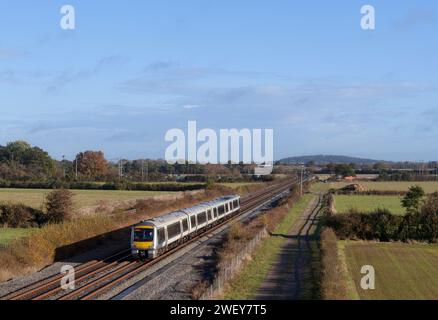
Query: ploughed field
343, 203
402, 271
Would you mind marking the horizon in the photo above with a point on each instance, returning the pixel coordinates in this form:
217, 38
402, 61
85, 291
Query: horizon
129, 73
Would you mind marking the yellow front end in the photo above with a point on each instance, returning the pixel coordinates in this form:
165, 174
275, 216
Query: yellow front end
143, 242
143, 245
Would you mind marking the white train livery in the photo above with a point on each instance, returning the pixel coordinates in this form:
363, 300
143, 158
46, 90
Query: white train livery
151, 238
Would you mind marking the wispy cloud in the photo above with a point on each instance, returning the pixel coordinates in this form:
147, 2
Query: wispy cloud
66, 77
11, 53
414, 18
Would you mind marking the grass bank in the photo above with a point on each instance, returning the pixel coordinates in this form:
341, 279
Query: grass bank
252, 275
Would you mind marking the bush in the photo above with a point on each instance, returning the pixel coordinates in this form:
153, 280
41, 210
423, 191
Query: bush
20, 216
59, 205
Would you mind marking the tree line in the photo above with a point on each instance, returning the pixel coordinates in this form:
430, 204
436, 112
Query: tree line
21, 164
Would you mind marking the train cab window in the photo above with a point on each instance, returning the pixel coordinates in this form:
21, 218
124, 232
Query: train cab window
236, 203
185, 225
143, 235
193, 221
161, 235
174, 229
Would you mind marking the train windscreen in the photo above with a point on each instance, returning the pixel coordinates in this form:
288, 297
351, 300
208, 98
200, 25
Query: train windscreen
141, 235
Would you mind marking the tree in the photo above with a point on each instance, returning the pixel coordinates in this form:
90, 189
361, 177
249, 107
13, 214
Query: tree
412, 200
344, 170
24, 161
59, 205
91, 164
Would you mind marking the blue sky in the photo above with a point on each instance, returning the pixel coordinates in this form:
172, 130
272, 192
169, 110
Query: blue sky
134, 69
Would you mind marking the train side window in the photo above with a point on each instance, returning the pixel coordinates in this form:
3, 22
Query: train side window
221, 210
161, 235
174, 229
236, 203
215, 212
185, 225
202, 217
193, 221
210, 214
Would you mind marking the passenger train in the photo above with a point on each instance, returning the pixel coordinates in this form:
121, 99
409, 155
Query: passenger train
151, 238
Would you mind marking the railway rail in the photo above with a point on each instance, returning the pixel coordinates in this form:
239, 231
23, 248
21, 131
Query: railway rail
95, 277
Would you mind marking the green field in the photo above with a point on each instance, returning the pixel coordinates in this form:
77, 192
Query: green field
368, 203
403, 271
429, 186
9, 234
82, 198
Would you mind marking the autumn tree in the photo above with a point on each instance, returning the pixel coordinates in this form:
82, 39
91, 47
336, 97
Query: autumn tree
59, 205
91, 164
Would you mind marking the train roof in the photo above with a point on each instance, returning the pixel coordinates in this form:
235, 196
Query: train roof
196, 209
165, 219
177, 215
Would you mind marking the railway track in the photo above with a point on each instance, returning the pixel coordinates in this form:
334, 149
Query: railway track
96, 277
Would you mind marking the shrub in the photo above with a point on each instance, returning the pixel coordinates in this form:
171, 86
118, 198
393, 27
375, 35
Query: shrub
20, 216
59, 205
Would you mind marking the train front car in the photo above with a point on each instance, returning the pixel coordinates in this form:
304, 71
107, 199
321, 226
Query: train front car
143, 240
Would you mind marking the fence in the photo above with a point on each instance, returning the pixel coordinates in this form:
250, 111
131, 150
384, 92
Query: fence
233, 267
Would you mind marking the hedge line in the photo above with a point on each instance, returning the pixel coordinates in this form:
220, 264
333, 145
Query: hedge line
383, 226
102, 186
369, 193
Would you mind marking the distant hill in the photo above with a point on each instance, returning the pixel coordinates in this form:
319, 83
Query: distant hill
325, 159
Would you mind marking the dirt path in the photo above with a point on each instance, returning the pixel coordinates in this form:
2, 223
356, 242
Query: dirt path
291, 275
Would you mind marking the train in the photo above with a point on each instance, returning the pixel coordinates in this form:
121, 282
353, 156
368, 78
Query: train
151, 238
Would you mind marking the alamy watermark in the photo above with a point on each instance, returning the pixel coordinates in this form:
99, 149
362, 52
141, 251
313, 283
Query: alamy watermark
68, 280
68, 19
368, 20
368, 281
230, 145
